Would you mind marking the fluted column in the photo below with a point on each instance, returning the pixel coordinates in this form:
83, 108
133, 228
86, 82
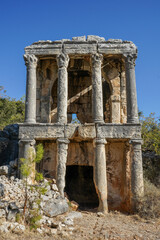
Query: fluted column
132, 109
97, 95
62, 151
137, 186
62, 61
30, 105
100, 176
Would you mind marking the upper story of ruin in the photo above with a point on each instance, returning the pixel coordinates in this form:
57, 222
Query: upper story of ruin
91, 77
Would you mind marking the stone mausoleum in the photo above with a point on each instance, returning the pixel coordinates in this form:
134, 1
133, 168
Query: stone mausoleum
96, 159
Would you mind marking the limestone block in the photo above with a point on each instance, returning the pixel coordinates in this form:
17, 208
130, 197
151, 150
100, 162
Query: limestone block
80, 48
41, 131
55, 207
122, 131
116, 48
70, 130
110, 40
82, 38
87, 131
2, 213
44, 48
95, 38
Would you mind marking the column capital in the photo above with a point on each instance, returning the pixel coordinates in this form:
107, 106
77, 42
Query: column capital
97, 141
130, 60
62, 60
63, 140
30, 60
32, 142
136, 141
97, 59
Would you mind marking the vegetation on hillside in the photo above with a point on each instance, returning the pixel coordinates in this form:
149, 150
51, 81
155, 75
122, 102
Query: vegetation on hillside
150, 133
11, 110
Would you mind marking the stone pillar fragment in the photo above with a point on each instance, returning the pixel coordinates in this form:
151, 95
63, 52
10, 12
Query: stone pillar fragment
137, 186
97, 93
62, 61
62, 147
132, 109
29, 154
30, 104
100, 176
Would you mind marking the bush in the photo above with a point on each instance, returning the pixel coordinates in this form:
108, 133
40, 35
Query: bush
149, 205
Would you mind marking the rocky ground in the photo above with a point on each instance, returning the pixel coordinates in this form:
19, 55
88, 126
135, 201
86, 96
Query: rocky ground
96, 226
61, 222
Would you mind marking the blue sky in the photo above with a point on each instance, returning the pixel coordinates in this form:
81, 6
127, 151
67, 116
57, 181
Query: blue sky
24, 22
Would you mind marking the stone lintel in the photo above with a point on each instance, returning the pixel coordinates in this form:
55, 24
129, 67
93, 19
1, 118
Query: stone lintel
117, 48
80, 46
42, 131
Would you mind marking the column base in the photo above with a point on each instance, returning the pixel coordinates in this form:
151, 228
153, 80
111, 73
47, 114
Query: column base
30, 121
133, 120
98, 121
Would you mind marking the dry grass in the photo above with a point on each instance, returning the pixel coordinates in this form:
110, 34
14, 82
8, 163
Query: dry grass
149, 205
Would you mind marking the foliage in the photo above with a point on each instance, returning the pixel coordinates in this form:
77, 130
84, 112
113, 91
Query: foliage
150, 133
149, 205
11, 110
26, 171
151, 167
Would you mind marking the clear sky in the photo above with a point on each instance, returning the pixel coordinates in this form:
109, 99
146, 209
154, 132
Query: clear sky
24, 22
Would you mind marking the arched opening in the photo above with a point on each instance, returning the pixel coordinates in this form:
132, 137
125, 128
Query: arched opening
80, 186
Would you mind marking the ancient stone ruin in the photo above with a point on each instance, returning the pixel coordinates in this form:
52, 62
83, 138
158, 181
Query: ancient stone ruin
96, 159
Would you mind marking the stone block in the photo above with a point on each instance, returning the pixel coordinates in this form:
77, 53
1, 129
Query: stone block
80, 48
55, 207
95, 38
82, 38
2, 213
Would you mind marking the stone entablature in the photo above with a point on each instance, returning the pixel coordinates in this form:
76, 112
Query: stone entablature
94, 79
44, 131
79, 46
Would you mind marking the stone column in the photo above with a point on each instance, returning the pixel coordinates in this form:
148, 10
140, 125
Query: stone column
137, 186
97, 93
27, 151
62, 147
132, 109
115, 109
100, 175
62, 61
30, 105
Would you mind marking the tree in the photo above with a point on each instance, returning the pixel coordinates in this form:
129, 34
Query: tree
11, 110
150, 133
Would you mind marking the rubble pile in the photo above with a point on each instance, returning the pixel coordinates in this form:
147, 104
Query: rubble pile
12, 198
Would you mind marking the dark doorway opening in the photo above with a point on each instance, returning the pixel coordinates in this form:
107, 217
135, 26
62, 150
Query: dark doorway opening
80, 186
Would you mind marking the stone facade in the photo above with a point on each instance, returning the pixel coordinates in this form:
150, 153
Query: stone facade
93, 78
